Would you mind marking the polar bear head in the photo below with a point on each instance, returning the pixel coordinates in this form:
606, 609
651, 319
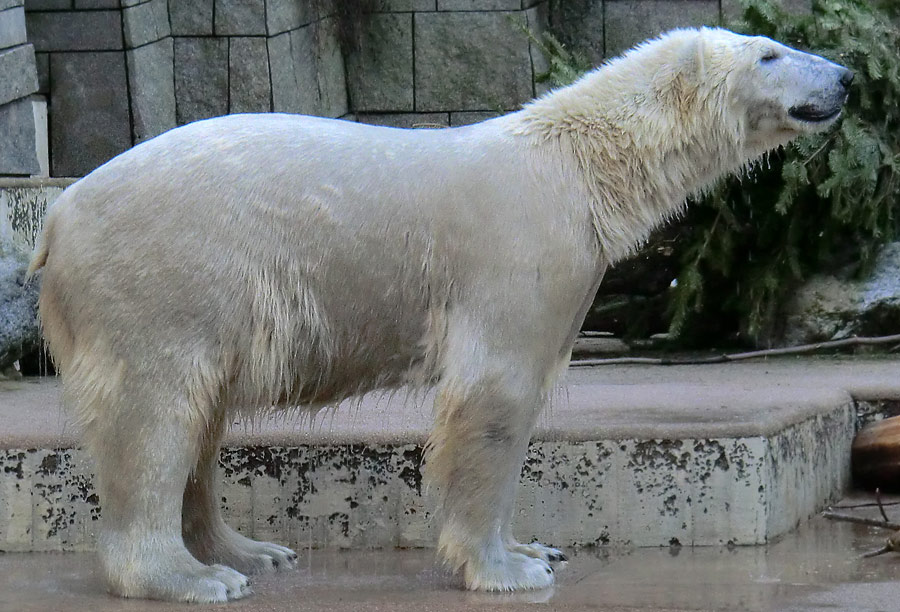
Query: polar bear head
677, 113
773, 91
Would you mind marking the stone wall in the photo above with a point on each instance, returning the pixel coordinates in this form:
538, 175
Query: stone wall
116, 72
23, 117
119, 72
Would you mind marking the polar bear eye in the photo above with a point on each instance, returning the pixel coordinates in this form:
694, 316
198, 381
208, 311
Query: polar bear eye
769, 56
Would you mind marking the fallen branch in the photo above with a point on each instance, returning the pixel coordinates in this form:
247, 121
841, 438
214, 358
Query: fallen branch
835, 516
727, 358
865, 505
880, 507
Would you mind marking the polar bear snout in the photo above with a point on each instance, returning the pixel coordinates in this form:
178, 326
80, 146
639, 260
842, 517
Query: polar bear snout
821, 88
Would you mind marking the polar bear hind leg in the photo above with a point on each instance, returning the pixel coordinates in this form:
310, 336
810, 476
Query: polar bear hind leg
144, 438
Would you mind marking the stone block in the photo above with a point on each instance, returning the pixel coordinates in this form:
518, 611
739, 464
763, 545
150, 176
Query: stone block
42, 133
7, 4
250, 90
96, 4
470, 117
406, 120
152, 89
75, 30
191, 17
733, 10
237, 17
18, 133
478, 5
89, 120
18, 73
285, 15
201, 78
330, 70
146, 23
538, 19
471, 61
403, 6
45, 5
578, 24
281, 67
629, 22
43, 72
308, 71
12, 27
380, 71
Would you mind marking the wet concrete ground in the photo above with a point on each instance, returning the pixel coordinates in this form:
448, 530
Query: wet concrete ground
815, 568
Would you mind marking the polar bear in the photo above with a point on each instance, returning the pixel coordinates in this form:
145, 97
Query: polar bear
248, 262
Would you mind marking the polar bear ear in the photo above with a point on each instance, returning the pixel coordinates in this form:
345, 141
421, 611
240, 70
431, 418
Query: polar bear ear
692, 58
679, 81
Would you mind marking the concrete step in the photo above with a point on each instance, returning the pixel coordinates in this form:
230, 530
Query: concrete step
639, 455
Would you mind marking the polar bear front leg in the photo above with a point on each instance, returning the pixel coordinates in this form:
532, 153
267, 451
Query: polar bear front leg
206, 534
473, 460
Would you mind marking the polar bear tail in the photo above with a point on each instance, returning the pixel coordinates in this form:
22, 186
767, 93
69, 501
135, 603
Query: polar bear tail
39, 259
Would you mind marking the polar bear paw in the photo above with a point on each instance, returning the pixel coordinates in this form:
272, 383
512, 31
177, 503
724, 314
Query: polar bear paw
204, 584
512, 571
227, 547
259, 558
539, 551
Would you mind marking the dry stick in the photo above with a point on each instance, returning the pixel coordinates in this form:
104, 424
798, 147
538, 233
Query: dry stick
865, 505
860, 520
874, 553
880, 507
789, 350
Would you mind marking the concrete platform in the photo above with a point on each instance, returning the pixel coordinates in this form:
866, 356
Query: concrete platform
815, 568
636, 455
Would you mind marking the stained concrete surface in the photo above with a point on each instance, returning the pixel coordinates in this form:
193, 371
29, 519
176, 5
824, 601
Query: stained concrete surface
608, 402
815, 568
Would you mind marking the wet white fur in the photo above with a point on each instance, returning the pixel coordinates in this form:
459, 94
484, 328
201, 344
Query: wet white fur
238, 263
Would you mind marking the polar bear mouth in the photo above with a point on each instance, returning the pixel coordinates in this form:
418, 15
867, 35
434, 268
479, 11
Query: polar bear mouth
813, 114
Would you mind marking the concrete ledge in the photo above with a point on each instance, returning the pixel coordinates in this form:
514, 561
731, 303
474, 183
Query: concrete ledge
740, 454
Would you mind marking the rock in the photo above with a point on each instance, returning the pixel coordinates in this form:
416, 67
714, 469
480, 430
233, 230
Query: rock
19, 154
248, 82
75, 30
90, 121
151, 88
18, 73
308, 71
146, 23
406, 120
286, 15
875, 456
191, 17
471, 61
19, 331
12, 27
381, 68
201, 78
240, 17
827, 307
637, 20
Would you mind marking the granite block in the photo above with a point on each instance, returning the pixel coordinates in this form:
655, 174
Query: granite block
152, 88
249, 85
89, 115
201, 78
380, 70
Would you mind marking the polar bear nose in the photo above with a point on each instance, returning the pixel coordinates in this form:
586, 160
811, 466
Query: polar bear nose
846, 78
